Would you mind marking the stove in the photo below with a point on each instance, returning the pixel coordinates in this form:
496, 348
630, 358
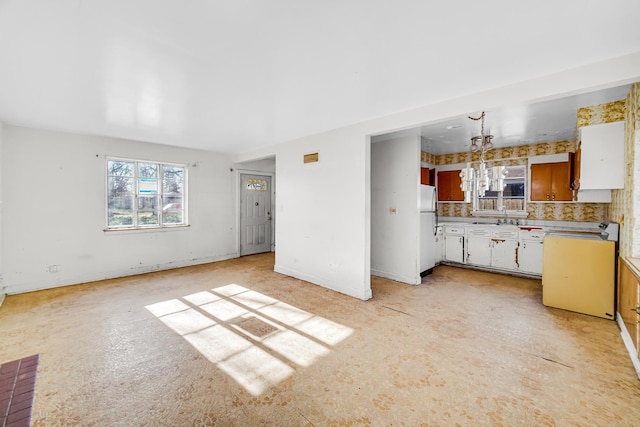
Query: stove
609, 230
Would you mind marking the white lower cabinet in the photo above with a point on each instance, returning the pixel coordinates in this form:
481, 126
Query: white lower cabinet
530, 252
479, 247
504, 249
454, 248
503, 254
499, 247
439, 237
454, 244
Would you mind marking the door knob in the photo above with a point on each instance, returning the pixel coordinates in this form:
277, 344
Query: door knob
637, 309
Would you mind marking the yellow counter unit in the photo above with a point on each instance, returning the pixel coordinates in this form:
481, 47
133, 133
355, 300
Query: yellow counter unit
578, 274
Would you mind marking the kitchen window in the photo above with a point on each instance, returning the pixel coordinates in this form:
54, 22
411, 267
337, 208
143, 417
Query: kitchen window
142, 194
506, 191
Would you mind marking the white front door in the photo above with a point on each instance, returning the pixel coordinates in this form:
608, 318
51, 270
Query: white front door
255, 214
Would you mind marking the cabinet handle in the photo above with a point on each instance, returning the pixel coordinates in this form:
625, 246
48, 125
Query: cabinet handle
547, 196
553, 196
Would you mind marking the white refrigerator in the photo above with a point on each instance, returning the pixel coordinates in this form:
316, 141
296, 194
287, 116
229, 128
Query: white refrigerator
428, 222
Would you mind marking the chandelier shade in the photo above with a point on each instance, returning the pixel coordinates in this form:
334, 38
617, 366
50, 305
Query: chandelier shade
479, 180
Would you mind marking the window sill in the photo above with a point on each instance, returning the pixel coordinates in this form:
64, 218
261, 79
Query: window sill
509, 214
145, 229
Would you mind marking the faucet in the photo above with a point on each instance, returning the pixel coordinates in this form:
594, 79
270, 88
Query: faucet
505, 217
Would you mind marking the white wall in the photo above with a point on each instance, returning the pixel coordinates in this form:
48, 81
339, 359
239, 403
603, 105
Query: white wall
324, 209
395, 177
262, 165
2, 292
322, 216
54, 211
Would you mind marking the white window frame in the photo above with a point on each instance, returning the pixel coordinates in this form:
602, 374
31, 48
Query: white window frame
476, 211
135, 193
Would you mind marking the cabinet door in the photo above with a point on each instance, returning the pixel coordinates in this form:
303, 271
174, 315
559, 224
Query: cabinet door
530, 257
479, 251
574, 172
550, 182
449, 186
454, 248
560, 182
629, 301
444, 185
540, 182
457, 194
602, 156
439, 246
424, 176
504, 254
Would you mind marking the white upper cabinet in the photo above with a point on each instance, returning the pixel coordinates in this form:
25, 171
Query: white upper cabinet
602, 156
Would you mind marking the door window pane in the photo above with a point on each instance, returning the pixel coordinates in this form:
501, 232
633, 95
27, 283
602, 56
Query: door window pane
257, 184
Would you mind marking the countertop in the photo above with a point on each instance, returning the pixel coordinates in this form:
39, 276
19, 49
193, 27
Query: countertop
546, 226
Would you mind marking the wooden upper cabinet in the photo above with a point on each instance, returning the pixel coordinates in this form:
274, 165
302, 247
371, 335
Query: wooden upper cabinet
550, 182
574, 159
425, 177
540, 182
449, 186
561, 181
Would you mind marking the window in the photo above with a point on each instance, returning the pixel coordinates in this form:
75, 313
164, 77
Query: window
506, 191
145, 194
257, 184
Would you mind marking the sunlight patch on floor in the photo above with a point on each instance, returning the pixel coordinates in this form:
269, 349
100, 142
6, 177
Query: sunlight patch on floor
256, 339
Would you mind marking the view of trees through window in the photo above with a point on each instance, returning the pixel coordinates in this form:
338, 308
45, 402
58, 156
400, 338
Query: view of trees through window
144, 194
506, 193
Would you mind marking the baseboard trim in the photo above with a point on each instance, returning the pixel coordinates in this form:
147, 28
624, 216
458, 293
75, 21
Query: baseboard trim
365, 295
112, 274
628, 342
397, 277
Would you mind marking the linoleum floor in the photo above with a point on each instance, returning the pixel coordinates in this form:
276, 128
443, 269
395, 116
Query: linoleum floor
233, 343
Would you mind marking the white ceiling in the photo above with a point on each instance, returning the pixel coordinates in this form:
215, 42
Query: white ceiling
533, 123
237, 75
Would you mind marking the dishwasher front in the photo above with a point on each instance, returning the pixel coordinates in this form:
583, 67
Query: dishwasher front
578, 274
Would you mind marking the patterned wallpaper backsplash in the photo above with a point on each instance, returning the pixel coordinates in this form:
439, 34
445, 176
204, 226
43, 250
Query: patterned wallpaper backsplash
578, 212
554, 211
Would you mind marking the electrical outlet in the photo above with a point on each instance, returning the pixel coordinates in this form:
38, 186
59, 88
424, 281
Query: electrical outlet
55, 268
